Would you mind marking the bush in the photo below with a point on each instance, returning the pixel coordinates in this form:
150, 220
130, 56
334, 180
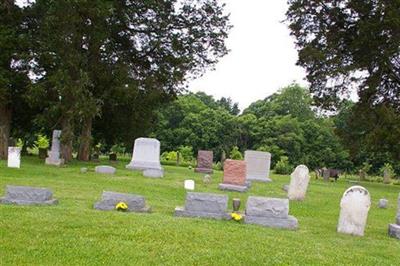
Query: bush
42, 142
236, 154
171, 156
186, 153
118, 149
283, 167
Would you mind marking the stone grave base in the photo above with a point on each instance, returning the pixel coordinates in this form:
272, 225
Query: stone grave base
139, 165
204, 170
105, 169
286, 223
181, 212
394, 230
111, 199
6, 200
153, 173
57, 162
230, 187
259, 179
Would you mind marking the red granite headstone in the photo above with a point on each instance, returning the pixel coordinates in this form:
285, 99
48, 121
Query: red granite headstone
204, 162
235, 172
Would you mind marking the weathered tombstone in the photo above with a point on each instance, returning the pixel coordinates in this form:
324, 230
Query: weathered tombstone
258, 166
84, 170
105, 169
205, 205
189, 184
109, 201
112, 157
383, 204
14, 157
153, 173
325, 174
298, 183
386, 176
146, 155
394, 229
269, 212
204, 162
54, 153
285, 188
22, 195
234, 176
354, 208
207, 180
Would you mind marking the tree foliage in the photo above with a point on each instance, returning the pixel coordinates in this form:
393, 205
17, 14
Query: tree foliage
343, 44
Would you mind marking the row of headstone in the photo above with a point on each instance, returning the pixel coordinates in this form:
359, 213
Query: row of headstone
394, 229
269, 212
256, 167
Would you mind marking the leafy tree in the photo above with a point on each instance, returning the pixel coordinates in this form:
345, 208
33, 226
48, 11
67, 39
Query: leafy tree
143, 50
346, 43
14, 112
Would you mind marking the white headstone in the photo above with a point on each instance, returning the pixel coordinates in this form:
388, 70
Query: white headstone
258, 165
354, 208
189, 184
54, 153
14, 157
298, 183
146, 155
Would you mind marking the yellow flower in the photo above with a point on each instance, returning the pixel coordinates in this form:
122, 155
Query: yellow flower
236, 216
121, 206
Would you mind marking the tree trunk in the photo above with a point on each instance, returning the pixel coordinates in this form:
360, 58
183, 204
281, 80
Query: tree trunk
67, 136
5, 126
85, 140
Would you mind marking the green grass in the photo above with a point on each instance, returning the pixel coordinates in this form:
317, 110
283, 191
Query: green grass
73, 233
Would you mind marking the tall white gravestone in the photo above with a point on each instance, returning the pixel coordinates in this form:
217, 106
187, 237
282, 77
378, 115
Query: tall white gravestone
298, 183
146, 155
258, 166
14, 157
354, 208
54, 153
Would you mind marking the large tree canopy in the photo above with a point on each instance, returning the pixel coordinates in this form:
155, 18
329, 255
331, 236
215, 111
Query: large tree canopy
90, 53
349, 43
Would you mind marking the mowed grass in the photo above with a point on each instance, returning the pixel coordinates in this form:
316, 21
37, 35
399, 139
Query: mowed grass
73, 233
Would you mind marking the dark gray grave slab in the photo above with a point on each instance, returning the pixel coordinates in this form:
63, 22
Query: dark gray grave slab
23, 195
110, 199
205, 205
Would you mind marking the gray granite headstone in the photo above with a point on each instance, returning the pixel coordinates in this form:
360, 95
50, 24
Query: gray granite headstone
269, 212
105, 169
258, 166
22, 195
394, 229
110, 199
205, 205
54, 153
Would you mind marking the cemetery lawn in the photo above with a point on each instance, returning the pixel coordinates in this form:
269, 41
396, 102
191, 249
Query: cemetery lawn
73, 233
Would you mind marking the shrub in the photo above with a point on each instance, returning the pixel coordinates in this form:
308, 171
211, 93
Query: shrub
283, 167
42, 142
169, 156
186, 153
236, 154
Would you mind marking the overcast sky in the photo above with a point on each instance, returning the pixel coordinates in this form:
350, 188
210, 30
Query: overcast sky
262, 58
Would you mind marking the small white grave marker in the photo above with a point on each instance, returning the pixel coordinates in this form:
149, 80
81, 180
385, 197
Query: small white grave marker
189, 184
14, 157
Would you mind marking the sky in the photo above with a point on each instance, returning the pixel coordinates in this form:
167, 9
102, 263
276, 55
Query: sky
262, 58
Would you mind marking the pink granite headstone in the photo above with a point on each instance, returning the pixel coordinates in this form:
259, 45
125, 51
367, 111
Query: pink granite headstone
234, 176
204, 162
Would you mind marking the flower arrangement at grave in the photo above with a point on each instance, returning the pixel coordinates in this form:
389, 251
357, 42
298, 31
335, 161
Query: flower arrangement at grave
236, 216
121, 206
